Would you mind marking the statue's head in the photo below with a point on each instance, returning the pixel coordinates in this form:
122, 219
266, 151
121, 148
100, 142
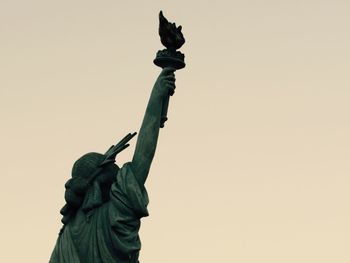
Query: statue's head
90, 184
87, 171
92, 178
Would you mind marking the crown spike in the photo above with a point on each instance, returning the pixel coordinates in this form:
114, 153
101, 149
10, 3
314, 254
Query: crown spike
115, 149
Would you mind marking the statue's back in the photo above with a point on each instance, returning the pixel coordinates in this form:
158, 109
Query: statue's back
108, 233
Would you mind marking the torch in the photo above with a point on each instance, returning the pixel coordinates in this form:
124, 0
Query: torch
172, 38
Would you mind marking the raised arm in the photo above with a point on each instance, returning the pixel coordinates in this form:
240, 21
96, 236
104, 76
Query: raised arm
149, 131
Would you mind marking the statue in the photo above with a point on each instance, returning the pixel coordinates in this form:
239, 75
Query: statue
105, 202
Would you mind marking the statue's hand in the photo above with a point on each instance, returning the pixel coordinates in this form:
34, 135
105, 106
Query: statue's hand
165, 84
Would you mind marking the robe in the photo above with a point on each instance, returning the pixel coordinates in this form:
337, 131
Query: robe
108, 233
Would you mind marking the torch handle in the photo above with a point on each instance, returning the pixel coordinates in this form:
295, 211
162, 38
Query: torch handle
165, 106
163, 61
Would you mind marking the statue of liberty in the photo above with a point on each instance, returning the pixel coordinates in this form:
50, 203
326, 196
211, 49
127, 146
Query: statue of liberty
105, 202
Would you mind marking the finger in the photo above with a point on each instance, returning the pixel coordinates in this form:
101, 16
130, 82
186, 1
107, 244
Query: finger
171, 83
171, 89
170, 77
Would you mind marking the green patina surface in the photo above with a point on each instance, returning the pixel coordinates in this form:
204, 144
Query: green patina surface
104, 204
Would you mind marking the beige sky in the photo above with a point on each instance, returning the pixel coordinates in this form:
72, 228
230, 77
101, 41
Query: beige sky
253, 165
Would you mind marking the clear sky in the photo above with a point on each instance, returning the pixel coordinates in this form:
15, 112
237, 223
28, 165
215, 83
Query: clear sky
253, 164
